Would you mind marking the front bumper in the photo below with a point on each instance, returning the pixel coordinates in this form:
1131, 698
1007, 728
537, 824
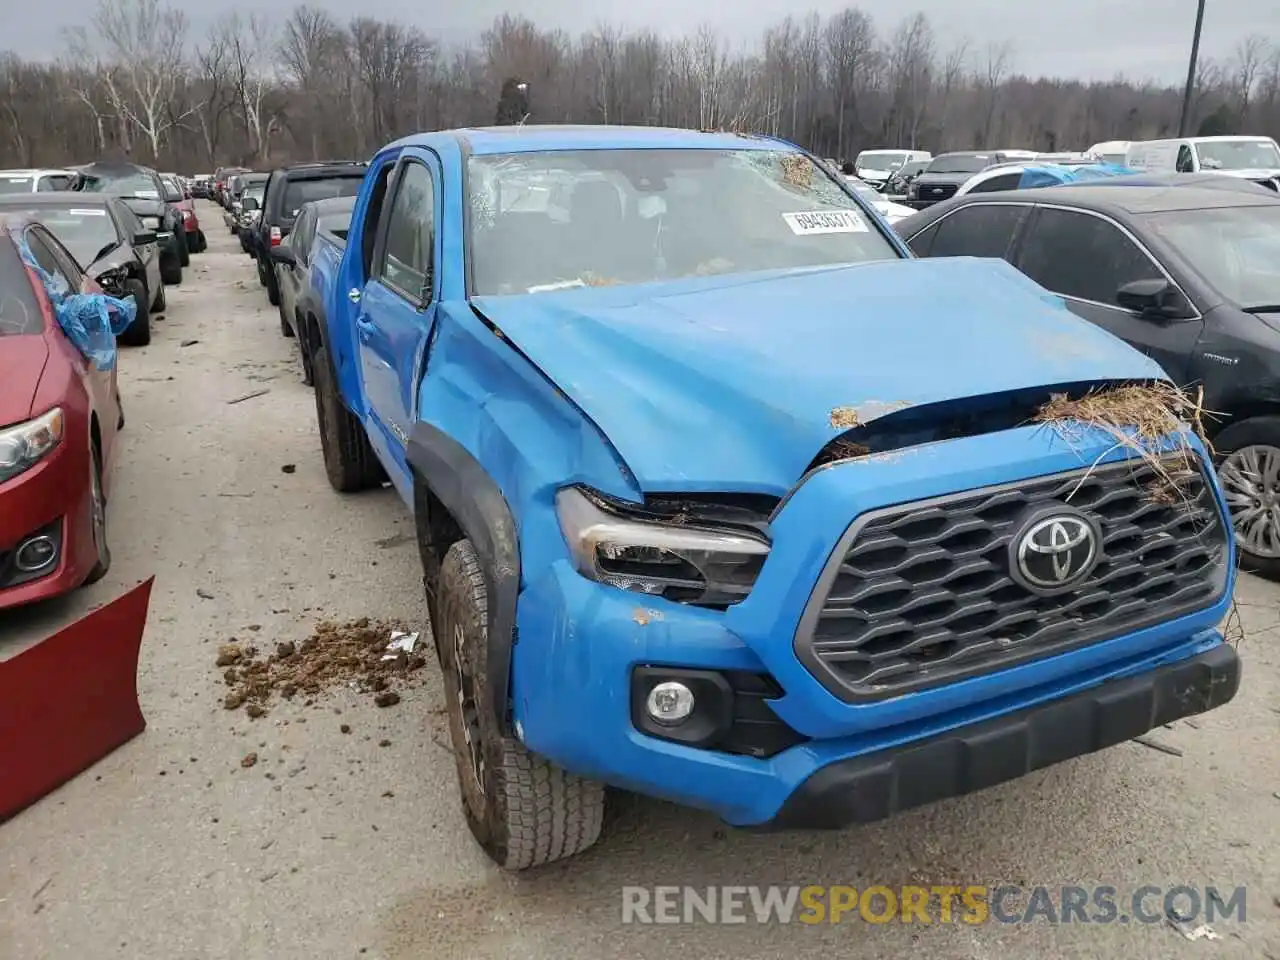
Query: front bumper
875, 786
580, 644
54, 494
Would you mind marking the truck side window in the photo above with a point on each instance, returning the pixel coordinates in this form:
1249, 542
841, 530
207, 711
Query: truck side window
410, 246
1184, 160
980, 230
1082, 256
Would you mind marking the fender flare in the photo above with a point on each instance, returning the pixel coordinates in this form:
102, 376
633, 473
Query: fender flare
468, 492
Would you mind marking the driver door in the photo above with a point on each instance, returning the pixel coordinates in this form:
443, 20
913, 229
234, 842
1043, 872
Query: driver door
397, 306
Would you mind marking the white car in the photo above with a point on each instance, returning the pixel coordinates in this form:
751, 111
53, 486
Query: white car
1007, 176
893, 212
34, 181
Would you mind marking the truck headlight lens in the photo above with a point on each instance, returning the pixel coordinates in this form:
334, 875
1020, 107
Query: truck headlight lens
680, 561
26, 444
152, 223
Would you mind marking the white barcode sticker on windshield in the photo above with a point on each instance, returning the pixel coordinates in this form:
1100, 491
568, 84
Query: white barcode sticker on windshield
825, 221
87, 213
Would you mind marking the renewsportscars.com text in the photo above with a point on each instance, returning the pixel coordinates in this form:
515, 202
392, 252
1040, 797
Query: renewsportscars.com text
933, 904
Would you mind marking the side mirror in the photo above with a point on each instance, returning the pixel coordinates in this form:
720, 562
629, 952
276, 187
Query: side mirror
1157, 299
282, 254
143, 238
248, 204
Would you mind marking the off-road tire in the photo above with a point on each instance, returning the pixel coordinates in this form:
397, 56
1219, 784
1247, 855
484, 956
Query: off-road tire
184, 251
161, 302
262, 271
138, 333
349, 460
1261, 431
100, 501
527, 812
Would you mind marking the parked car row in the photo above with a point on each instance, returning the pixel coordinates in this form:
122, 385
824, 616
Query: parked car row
916, 179
111, 230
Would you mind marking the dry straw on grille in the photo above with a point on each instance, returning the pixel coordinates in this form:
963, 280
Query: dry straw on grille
1153, 421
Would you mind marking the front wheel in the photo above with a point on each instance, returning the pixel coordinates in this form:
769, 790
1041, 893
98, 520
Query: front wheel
98, 509
1249, 470
184, 252
522, 809
138, 333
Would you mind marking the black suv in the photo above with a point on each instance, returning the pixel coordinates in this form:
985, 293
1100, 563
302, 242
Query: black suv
288, 190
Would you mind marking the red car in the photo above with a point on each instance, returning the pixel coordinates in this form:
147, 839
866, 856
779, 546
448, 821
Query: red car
59, 417
177, 197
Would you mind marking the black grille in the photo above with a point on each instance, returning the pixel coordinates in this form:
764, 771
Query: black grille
920, 594
938, 191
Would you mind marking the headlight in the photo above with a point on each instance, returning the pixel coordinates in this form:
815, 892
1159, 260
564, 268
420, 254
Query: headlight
151, 222
24, 445
682, 562
113, 281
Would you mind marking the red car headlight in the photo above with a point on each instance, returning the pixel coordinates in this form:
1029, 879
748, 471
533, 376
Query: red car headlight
24, 445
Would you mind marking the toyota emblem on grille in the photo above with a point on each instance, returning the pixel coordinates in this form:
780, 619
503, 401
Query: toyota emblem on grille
1054, 551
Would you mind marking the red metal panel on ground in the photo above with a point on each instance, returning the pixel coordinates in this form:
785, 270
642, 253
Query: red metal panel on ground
70, 700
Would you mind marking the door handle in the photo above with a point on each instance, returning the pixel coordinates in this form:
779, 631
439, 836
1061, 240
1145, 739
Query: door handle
353, 295
364, 329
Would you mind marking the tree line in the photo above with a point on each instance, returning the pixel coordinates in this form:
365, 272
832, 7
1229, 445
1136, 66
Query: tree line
135, 82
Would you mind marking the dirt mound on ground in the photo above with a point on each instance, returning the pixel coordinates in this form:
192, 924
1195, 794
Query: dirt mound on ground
353, 654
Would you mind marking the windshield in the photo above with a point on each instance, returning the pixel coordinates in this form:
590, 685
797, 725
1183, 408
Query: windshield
1235, 249
603, 217
255, 190
125, 184
960, 163
300, 192
880, 160
85, 231
1238, 155
15, 185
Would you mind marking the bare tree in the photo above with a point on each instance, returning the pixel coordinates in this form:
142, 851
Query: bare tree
989, 79
341, 89
850, 44
144, 42
1250, 55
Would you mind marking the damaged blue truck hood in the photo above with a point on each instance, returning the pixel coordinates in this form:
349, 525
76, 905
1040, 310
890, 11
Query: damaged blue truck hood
729, 383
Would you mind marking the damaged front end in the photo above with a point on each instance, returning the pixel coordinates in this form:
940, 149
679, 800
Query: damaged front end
878, 603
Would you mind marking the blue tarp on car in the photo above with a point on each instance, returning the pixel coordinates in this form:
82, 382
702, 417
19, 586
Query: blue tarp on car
91, 321
1053, 175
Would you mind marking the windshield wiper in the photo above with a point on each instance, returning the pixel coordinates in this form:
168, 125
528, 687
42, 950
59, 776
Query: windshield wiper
1262, 308
105, 250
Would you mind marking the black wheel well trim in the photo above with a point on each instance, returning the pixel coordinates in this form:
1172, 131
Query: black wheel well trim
1254, 408
482, 515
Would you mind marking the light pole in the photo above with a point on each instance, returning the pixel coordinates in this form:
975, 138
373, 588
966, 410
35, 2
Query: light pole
1191, 72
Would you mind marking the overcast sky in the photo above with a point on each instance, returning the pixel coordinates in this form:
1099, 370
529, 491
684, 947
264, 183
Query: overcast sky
1090, 39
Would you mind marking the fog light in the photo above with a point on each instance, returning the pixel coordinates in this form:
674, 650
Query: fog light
35, 554
669, 703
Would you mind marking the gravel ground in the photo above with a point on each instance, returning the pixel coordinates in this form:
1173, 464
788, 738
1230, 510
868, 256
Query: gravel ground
344, 838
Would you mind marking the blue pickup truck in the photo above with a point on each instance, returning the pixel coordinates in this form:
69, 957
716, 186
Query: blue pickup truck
722, 497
